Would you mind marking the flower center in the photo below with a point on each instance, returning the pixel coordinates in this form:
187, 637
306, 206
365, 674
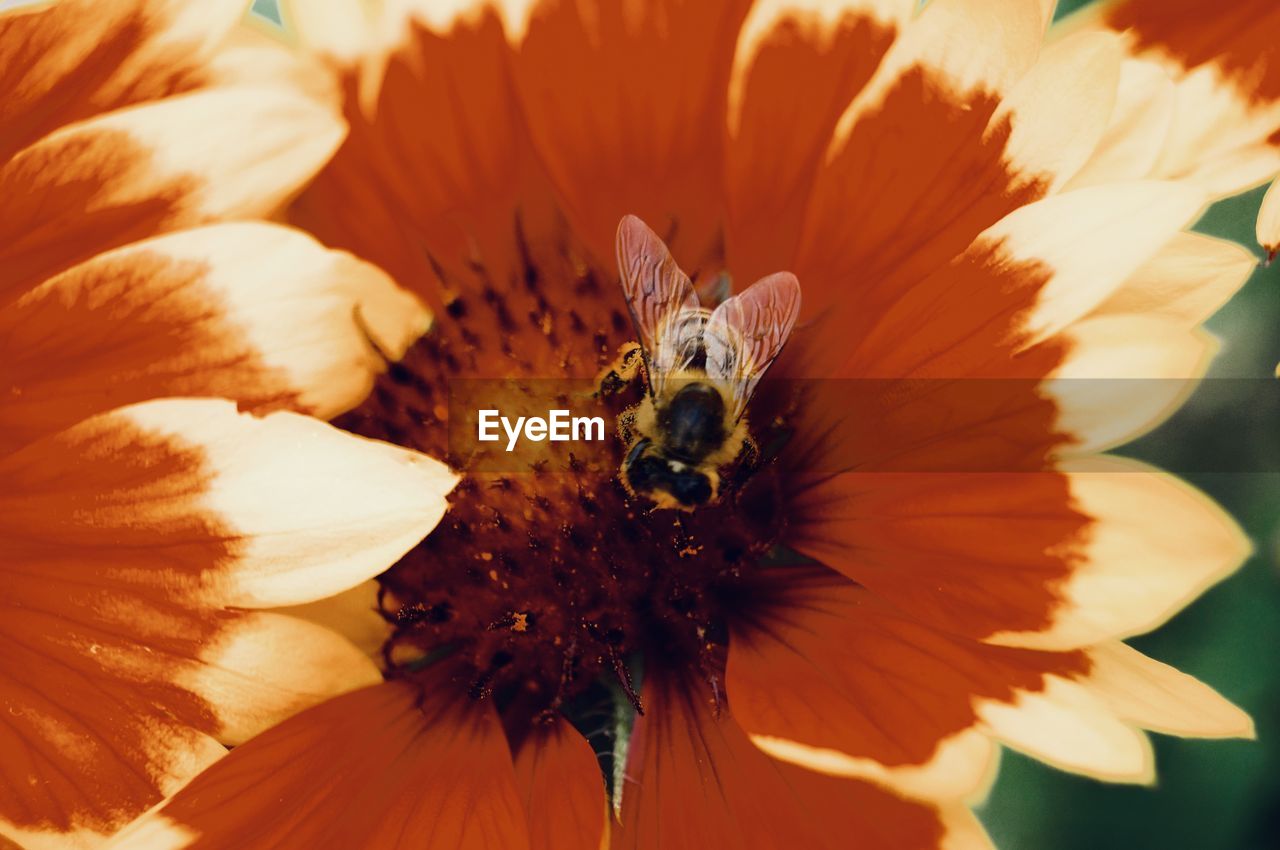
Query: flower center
546, 575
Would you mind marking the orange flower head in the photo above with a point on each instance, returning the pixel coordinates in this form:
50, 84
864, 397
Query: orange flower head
910, 549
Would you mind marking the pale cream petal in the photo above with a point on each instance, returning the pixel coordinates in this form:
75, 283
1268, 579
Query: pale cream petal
1217, 137
243, 151
962, 768
314, 510
963, 829
1155, 544
265, 667
199, 27
156, 831
1090, 241
323, 318
1269, 221
1059, 110
1223, 115
1122, 376
1137, 129
1185, 282
256, 58
941, 40
354, 614
343, 29
1067, 727
254, 312
1155, 696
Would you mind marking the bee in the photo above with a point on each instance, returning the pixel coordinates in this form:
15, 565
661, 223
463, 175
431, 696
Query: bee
701, 368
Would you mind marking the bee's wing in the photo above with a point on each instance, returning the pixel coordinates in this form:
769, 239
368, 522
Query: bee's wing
663, 304
746, 332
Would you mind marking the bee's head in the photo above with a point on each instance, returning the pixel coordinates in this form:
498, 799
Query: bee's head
668, 482
690, 487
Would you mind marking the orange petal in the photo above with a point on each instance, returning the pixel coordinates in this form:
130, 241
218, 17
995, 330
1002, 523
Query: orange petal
562, 788
867, 692
1235, 38
390, 767
437, 172
797, 66
913, 174
127, 535
1105, 549
626, 105
969, 553
152, 168
61, 63
819, 674
694, 781
1026, 276
254, 312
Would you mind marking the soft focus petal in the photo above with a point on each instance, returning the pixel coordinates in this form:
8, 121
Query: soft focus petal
695, 781
1124, 375
148, 169
391, 767
254, 312
1225, 131
123, 538
1186, 281
1066, 725
1146, 693
1060, 109
562, 788
1137, 129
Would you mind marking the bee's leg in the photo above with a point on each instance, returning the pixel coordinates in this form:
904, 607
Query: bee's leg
627, 426
748, 455
621, 372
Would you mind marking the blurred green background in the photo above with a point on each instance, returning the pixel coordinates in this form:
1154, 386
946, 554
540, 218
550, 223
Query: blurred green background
1211, 795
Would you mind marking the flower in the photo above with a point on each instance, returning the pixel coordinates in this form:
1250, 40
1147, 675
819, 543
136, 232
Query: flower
142, 537
977, 242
